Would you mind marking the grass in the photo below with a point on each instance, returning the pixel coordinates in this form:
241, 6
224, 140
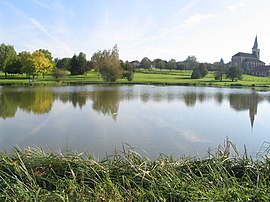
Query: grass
34, 175
160, 77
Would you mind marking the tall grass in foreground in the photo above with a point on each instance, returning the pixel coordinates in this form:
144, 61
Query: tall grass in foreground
34, 175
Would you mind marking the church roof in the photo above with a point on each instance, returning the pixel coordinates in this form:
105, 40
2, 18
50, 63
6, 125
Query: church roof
246, 55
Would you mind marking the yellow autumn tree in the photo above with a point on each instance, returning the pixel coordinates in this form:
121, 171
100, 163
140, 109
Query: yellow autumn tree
42, 64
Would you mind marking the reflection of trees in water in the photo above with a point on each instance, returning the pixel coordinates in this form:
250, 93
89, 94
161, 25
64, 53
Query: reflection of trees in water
9, 102
106, 101
190, 99
249, 102
219, 97
37, 100
34, 100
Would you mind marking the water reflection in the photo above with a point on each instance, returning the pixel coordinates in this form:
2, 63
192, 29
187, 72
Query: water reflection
36, 101
106, 99
249, 102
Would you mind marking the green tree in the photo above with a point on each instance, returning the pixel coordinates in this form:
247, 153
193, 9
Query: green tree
199, 71
190, 62
6, 53
107, 64
196, 74
42, 63
146, 63
171, 64
128, 70
221, 70
203, 69
234, 73
78, 64
13, 65
63, 63
27, 63
159, 63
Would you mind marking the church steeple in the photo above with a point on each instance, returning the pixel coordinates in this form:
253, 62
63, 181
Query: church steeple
255, 50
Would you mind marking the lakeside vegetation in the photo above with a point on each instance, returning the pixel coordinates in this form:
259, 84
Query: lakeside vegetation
143, 76
223, 175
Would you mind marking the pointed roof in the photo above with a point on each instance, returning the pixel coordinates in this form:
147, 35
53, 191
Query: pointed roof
255, 46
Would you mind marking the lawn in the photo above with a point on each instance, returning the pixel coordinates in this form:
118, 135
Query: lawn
155, 76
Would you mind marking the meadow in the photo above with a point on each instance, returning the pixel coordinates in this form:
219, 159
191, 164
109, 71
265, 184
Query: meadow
155, 76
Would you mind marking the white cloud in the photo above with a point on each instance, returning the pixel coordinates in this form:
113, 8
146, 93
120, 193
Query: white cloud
196, 19
235, 8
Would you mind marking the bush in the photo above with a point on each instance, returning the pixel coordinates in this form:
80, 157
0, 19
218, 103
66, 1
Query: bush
58, 74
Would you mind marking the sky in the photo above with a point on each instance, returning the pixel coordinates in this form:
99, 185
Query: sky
166, 29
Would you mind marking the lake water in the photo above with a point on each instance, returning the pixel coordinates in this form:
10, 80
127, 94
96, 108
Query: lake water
173, 120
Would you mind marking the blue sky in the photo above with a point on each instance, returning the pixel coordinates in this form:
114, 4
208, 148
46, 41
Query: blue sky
208, 29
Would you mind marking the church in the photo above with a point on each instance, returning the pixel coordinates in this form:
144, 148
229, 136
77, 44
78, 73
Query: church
248, 61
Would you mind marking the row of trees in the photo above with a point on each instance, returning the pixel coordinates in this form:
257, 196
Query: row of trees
39, 62
106, 63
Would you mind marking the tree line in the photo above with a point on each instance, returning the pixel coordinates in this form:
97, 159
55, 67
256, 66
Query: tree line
106, 63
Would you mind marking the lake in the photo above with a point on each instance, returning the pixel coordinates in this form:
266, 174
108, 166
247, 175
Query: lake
173, 120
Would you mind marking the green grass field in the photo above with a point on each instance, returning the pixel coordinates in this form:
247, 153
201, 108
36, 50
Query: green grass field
161, 77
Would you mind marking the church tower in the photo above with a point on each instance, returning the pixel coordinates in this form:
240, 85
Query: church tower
255, 50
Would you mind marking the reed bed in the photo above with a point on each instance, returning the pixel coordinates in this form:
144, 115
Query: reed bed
223, 175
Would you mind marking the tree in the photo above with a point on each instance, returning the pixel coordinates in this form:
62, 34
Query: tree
191, 62
196, 74
42, 64
63, 63
6, 53
107, 63
171, 64
199, 71
221, 70
13, 65
234, 73
159, 63
203, 69
146, 63
78, 64
27, 63
128, 70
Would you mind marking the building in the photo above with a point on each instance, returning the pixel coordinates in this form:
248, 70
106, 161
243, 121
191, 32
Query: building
248, 61
261, 71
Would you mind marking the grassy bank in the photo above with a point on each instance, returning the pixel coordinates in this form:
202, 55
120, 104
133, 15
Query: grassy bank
34, 175
160, 77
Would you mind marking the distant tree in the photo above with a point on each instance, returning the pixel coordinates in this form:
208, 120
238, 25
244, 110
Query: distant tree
191, 62
199, 71
203, 69
171, 64
7, 52
196, 74
58, 74
27, 63
128, 70
42, 63
13, 65
78, 64
63, 63
47, 54
107, 63
234, 73
159, 63
220, 71
146, 63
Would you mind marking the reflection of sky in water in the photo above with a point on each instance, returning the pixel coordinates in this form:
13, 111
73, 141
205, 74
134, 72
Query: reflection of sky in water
171, 120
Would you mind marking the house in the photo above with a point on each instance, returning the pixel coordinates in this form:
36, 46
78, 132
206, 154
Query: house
261, 71
248, 61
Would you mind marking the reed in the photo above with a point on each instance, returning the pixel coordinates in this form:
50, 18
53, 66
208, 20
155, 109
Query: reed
32, 174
